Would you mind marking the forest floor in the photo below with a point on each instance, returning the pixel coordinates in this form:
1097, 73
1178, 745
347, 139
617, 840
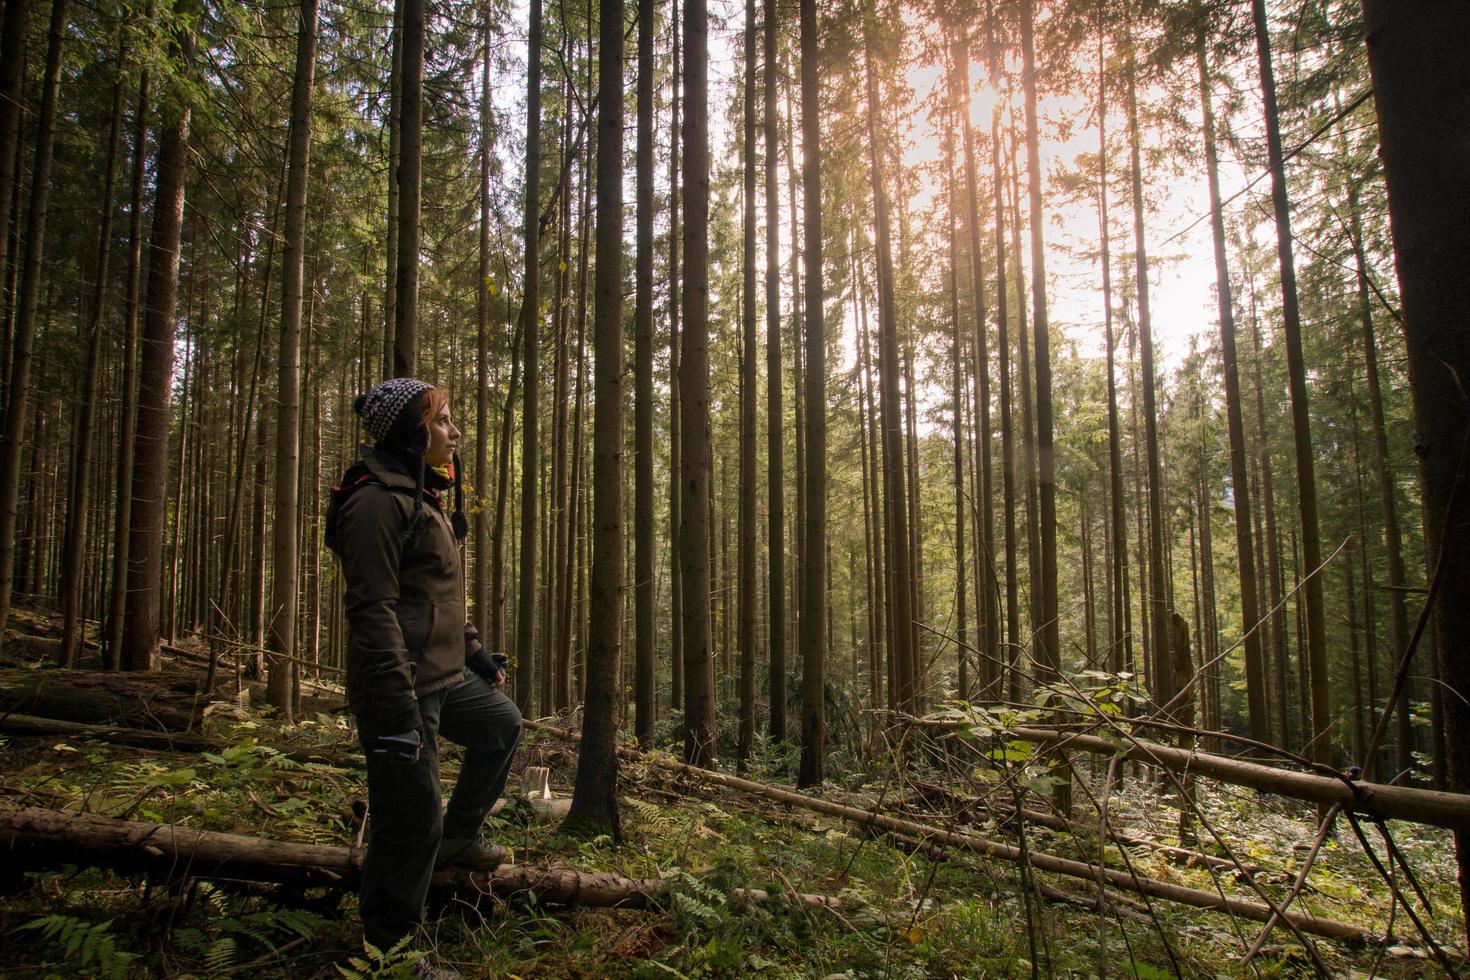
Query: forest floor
905, 912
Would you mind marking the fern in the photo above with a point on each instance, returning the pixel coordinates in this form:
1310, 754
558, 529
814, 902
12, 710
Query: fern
375, 963
89, 946
220, 958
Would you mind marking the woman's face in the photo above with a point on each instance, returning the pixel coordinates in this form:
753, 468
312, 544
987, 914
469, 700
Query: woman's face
443, 439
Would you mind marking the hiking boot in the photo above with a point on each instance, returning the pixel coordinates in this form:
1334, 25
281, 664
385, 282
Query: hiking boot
475, 853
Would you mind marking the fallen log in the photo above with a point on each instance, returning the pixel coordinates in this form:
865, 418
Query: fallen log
1006, 816
163, 741
159, 701
36, 838
1198, 898
1375, 800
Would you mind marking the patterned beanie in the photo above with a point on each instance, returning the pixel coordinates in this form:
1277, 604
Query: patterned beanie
381, 408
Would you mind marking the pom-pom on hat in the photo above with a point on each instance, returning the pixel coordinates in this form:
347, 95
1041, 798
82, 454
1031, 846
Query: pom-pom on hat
382, 408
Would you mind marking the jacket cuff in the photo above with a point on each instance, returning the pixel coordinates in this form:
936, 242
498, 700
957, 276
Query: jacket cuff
402, 720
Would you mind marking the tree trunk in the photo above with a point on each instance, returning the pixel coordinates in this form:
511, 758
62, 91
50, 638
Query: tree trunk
395, 133
12, 98
775, 422
895, 497
1255, 669
79, 492
814, 571
408, 174
676, 491
1421, 84
959, 99
150, 452
595, 798
1320, 740
643, 496
748, 398
127, 415
288, 384
525, 671
17, 389
484, 553
694, 528
1161, 675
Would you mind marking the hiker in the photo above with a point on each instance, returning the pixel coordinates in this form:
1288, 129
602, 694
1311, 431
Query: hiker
415, 667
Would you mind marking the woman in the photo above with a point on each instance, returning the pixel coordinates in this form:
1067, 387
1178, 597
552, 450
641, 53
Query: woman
415, 667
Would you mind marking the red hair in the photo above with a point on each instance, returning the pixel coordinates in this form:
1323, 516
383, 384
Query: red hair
435, 401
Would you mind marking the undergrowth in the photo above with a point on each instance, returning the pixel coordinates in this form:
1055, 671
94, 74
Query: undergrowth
903, 914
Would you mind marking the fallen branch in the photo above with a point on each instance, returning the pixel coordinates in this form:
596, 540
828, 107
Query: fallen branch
1181, 894
38, 838
1377, 800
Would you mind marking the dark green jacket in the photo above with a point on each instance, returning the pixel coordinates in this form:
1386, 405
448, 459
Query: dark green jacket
405, 602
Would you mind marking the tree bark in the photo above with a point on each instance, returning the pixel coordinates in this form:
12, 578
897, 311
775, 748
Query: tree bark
127, 416
18, 383
79, 494
1320, 740
1161, 672
643, 496
895, 497
1421, 84
150, 469
775, 421
288, 385
595, 798
525, 671
814, 570
748, 397
694, 528
1255, 668
408, 174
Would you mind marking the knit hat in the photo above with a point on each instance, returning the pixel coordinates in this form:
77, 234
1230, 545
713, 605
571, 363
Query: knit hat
382, 410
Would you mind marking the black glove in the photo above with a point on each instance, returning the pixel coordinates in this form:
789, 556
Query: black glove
491, 666
402, 748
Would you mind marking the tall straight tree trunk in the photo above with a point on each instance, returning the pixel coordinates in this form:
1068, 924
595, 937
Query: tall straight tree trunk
1388, 506
984, 541
1028, 429
676, 491
595, 797
408, 172
1421, 82
748, 398
814, 572
502, 494
1296, 372
483, 551
1255, 668
1274, 596
1120, 638
79, 494
150, 453
896, 519
17, 389
288, 385
12, 98
694, 528
1049, 652
957, 389
531, 337
395, 133
127, 415
1007, 429
1049, 658
643, 531
775, 434
1161, 677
